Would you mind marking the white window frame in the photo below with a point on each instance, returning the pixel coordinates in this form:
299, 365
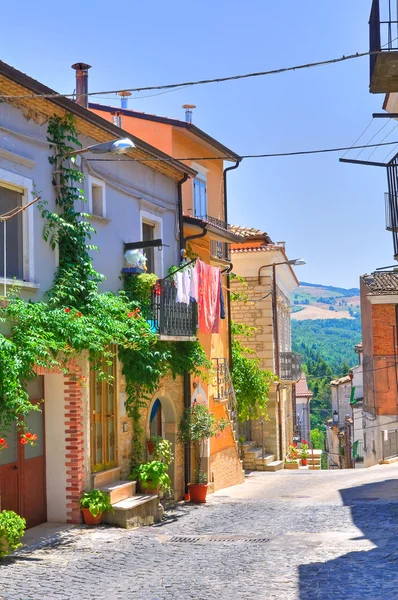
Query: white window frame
100, 183
24, 186
157, 223
203, 179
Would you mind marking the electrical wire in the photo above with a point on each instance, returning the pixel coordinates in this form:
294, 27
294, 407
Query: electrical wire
204, 81
362, 134
384, 138
243, 156
373, 137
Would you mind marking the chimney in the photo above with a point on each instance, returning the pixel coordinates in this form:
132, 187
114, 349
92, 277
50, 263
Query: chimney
188, 112
124, 98
81, 83
117, 119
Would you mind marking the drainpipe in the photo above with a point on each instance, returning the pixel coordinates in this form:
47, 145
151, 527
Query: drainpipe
235, 166
181, 211
187, 446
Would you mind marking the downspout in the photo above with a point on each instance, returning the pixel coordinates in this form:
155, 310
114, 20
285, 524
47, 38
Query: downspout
181, 211
235, 166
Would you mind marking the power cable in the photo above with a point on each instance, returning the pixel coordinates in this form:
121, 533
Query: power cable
363, 133
243, 156
384, 138
373, 137
204, 81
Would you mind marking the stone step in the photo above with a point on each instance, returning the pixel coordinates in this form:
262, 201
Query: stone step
268, 458
119, 490
135, 511
255, 452
275, 465
103, 478
248, 445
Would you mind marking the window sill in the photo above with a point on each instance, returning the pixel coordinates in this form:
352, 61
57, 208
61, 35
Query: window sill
23, 285
98, 219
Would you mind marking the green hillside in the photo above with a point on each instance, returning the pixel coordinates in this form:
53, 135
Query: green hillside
333, 340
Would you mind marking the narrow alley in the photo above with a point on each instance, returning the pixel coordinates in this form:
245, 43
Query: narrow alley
304, 535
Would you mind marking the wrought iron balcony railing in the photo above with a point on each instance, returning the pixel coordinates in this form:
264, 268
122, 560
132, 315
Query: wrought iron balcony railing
171, 318
383, 37
290, 366
214, 221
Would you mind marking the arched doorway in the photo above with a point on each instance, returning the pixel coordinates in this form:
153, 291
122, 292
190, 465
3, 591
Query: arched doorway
162, 422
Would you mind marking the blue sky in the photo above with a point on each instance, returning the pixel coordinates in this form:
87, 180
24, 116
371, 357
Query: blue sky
329, 213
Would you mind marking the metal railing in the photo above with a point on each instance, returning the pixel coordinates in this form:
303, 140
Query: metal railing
214, 221
289, 366
383, 29
220, 250
171, 318
224, 391
390, 443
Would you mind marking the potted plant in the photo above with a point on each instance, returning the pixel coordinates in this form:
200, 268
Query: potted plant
291, 461
160, 450
93, 504
153, 477
198, 425
12, 528
304, 453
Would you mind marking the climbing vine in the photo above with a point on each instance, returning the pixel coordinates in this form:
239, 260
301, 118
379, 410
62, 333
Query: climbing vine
76, 317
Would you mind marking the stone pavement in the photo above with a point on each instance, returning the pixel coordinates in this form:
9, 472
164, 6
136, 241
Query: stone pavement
304, 535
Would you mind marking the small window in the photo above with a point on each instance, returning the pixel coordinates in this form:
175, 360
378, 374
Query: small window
97, 198
11, 200
148, 234
200, 197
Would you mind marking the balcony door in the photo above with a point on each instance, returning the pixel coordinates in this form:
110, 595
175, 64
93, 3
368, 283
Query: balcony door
103, 409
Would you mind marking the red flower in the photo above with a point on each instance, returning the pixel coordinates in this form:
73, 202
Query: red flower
67, 310
79, 314
131, 314
2, 441
28, 435
294, 444
34, 436
24, 441
304, 442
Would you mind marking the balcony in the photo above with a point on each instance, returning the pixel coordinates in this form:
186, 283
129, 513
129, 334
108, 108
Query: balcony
289, 366
391, 202
172, 321
383, 37
223, 391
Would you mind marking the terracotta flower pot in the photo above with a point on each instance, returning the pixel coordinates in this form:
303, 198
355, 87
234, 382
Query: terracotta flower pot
89, 519
198, 491
148, 488
304, 462
150, 446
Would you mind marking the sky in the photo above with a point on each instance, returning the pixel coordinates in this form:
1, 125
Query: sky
329, 213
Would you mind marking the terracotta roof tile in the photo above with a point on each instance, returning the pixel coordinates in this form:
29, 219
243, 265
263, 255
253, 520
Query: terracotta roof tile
382, 282
302, 390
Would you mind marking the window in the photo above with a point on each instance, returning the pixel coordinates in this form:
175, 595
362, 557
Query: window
152, 229
11, 200
96, 197
200, 197
148, 234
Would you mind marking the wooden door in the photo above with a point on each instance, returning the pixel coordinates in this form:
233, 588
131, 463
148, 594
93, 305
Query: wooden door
22, 467
103, 403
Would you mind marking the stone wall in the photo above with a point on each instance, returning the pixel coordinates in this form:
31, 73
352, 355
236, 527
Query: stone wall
226, 469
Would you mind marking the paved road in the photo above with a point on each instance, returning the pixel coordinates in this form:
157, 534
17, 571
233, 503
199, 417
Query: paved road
288, 535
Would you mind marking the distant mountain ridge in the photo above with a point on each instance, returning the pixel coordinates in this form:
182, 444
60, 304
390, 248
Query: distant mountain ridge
343, 291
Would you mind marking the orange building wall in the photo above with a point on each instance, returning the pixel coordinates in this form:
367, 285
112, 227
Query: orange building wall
158, 135
384, 324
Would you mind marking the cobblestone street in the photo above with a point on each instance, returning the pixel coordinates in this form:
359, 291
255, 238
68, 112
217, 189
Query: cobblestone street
289, 535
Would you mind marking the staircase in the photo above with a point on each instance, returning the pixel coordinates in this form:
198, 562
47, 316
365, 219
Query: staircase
130, 509
254, 460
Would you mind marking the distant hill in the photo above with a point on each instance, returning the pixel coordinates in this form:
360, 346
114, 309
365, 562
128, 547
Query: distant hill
313, 301
334, 340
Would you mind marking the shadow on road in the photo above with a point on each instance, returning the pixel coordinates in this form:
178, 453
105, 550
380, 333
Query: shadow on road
370, 574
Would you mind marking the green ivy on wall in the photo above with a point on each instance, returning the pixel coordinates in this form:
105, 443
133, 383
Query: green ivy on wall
76, 317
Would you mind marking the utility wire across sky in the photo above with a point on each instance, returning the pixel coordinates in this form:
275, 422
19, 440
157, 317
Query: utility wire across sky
202, 81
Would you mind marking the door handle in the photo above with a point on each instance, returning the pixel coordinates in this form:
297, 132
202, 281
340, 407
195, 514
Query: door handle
15, 468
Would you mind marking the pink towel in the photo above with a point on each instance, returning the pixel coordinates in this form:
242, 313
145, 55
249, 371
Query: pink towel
208, 298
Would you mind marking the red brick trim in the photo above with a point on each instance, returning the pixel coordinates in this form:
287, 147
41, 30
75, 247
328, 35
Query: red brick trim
74, 435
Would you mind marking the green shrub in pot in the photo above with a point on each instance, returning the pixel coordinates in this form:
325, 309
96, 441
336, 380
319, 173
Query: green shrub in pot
96, 501
153, 475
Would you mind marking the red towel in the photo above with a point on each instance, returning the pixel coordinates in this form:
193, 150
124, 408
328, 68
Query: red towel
208, 298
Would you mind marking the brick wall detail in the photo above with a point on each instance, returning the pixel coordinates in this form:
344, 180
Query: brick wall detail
74, 437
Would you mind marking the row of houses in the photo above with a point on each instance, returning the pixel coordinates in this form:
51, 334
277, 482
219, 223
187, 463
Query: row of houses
365, 404
169, 209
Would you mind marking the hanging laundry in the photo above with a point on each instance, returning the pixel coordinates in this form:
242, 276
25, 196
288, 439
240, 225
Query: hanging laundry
181, 296
222, 303
208, 298
194, 282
